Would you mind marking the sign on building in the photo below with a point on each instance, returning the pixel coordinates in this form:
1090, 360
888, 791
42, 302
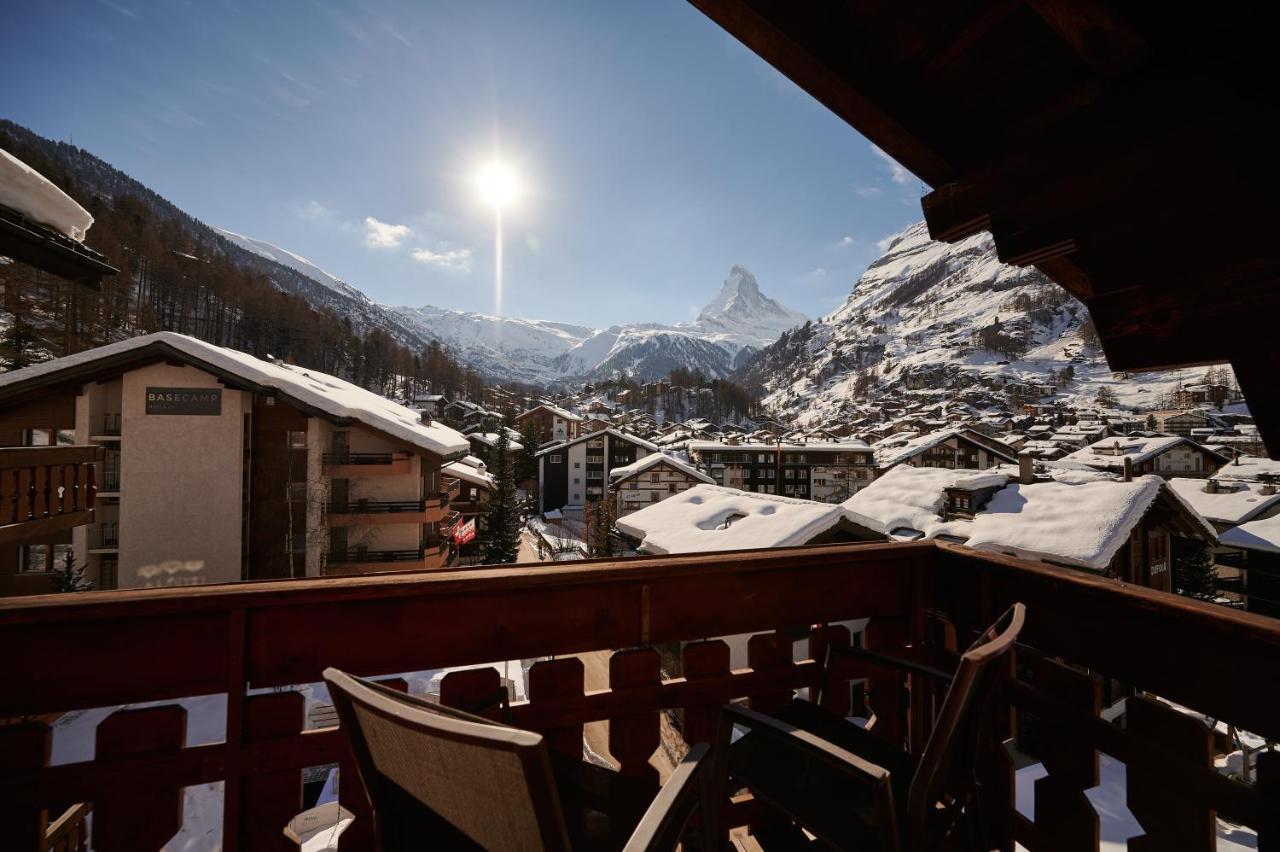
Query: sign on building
201, 401
465, 533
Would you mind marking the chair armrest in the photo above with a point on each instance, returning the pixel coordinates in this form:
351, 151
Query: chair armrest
665, 820
893, 662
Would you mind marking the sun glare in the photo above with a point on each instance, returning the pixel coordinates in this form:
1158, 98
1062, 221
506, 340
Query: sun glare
498, 184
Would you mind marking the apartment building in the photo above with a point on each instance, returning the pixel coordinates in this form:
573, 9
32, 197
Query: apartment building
552, 422
574, 473
267, 470
650, 480
825, 471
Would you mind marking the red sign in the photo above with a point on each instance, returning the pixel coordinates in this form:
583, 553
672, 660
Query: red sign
465, 533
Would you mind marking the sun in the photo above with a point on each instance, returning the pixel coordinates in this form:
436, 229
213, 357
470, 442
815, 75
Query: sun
498, 184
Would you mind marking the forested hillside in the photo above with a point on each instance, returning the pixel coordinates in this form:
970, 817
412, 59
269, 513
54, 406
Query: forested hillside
177, 274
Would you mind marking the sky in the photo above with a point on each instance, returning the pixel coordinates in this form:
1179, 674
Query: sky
654, 151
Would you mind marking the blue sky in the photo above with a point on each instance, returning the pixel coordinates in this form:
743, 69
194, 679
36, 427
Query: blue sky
655, 150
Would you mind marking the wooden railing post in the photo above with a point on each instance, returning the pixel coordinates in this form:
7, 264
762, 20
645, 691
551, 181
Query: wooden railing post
549, 681
268, 800
634, 739
887, 697
1172, 820
836, 696
23, 746
703, 660
769, 652
1065, 820
143, 813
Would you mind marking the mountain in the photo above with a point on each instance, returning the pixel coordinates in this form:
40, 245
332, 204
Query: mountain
928, 316
736, 323
296, 262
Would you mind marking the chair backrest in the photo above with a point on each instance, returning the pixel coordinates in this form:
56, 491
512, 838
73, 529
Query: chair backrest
440, 778
947, 763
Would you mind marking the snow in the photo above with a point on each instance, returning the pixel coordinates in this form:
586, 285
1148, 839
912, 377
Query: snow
1235, 502
335, 397
25, 190
468, 473
1263, 535
653, 459
895, 449
296, 262
710, 518
911, 498
626, 436
1083, 524
850, 445
1137, 450
490, 439
1250, 467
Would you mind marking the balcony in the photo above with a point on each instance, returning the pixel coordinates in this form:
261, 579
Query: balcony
105, 428
45, 490
921, 599
379, 512
351, 465
359, 560
104, 538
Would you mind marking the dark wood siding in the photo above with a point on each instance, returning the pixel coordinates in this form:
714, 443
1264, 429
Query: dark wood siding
272, 465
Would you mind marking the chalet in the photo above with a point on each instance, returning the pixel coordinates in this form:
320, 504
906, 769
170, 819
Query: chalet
1045, 520
594, 423
270, 470
946, 448
574, 473
825, 471
651, 479
470, 484
1178, 422
1162, 455
465, 413
1189, 396
483, 443
552, 423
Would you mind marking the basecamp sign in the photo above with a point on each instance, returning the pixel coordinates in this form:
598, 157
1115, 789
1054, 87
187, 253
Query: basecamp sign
184, 401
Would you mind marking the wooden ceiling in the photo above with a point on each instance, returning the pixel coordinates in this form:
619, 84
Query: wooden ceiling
1127, 150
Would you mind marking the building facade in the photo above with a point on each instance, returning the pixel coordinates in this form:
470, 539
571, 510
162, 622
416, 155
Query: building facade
825, 472
574, 473
552, 423
650, 480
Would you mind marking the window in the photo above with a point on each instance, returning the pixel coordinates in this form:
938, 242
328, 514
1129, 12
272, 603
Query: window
577, 480
595, 459
594, 474
554, 458
653, 477
108, 571
577, 465
297, 440
33, 559
762, 458
789, 473
298, 542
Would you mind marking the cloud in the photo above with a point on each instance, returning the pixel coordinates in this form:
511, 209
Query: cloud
312, 210
900, 174
382, 235
459, 259
867, 191
846, 240
818, 274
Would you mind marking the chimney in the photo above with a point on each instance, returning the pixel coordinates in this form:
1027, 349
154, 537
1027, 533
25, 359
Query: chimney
1128, 469
426, 418
1267, 490
1210, 486
1026, 469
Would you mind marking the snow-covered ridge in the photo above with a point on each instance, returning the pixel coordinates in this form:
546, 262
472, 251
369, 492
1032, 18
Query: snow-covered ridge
296, 262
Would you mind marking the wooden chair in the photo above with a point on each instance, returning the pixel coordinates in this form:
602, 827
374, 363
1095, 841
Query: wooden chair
440, 778
855, 790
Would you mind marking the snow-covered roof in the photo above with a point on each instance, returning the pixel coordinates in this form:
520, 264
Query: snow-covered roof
554, 409
911, 498
1137, 450
25, 190
1249, 467
895, 449
591, 436
1082, 523
490, 439
1262, 534
654, 459
328, 394
710, 517
468, 473
1234, 501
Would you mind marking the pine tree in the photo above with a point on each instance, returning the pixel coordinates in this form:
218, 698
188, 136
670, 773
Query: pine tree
600, 519
527, 460
1195, 576
502, 533
70, 577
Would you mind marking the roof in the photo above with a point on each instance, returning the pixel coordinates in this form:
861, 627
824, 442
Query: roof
319, 392
709, 518
895, 450
591, 436
468, 473
554, 409
911, 498
1262, 534
1249, 467
490, 439
1235, 502
1136, 449
653, 460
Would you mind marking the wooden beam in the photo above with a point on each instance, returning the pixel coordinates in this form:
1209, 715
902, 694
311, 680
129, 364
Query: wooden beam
1096, 32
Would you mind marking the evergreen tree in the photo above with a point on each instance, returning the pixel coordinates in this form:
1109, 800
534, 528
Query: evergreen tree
600, 518
527, 460
1107, 397
70, 577
1195, 576
502, 533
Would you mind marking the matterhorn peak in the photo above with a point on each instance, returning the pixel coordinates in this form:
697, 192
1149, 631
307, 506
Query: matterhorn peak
740, 311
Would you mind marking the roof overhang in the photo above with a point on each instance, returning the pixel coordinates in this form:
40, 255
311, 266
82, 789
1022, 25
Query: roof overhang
25, 241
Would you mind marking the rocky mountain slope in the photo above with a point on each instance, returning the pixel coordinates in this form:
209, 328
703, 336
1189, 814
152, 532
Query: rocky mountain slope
927, 316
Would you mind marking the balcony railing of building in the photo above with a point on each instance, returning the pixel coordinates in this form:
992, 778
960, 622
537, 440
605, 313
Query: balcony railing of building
375, 507
104, 537
360, 555
252, 642
367, 464
44, 490
106, 426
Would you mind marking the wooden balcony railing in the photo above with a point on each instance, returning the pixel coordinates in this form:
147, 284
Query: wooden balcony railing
45, 490
250, 642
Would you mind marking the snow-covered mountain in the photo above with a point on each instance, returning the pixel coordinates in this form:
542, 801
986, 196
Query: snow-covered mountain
929, 315
296, 262
739, 321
